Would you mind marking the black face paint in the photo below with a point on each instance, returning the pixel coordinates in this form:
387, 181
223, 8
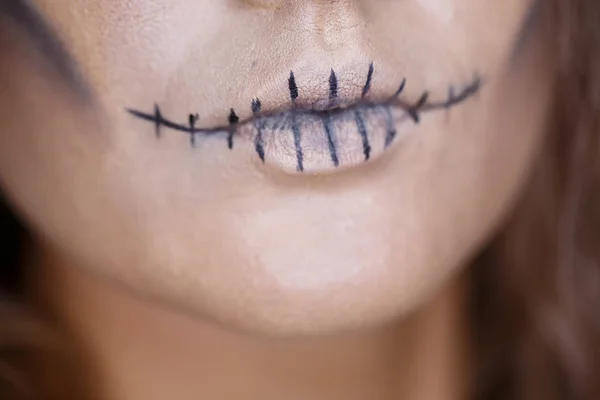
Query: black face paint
157, 121
328, 126
258, 144
298, 145
293, 88
192, 121
333, 88
367, 86
291, 120
362, 131
400, 88
391, 128
233, 121
414, 110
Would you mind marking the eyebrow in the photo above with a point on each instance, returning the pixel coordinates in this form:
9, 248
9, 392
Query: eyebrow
45, 40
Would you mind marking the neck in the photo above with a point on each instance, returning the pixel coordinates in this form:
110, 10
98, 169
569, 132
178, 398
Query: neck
136, 349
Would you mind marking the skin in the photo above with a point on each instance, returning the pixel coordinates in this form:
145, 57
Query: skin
230, 252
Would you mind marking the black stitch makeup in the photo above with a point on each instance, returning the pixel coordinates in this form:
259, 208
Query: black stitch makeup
313, 139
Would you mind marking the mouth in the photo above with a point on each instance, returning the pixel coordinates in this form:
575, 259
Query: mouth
318, 134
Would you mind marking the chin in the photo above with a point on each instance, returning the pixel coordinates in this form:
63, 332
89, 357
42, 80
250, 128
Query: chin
333, 281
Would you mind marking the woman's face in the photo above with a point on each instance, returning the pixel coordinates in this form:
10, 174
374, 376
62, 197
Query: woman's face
280, 166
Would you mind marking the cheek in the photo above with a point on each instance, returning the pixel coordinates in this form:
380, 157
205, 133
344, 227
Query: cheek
475, 162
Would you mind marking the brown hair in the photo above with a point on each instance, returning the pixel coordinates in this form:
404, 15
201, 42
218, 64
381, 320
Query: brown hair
536, 287
535, 301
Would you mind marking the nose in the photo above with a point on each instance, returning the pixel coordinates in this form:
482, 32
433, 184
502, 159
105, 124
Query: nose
274, 4
265, 4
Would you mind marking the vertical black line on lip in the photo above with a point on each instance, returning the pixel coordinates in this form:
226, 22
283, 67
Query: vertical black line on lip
256, 106
293, 87
298, 145
233, 120
362, 131
367, 86
333, 87
258, 143
400, 88
391, 129
330, 139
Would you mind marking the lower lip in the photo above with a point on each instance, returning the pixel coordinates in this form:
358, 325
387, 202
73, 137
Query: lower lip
316, 142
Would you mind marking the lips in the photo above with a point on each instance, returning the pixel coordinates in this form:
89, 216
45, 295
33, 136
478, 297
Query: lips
317, 134
312, 141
